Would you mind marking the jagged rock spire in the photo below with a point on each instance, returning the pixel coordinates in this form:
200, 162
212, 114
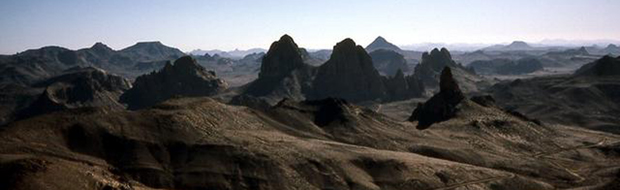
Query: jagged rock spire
442, 106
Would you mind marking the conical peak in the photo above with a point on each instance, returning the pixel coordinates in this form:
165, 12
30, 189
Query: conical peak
187, 63
286, 38
380, 39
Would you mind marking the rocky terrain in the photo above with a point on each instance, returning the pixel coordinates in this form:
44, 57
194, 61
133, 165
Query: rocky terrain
183, 78
507, 66
333, 119
442, 106
283, 73
388, 62
76, 88
197, 143
588, 98
348, 74
434, 61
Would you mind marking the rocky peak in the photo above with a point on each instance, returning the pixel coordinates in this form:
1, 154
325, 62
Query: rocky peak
101, 47
348, 74
283, 57
184, 78
449, 88
431, 65
381, 43
442, 106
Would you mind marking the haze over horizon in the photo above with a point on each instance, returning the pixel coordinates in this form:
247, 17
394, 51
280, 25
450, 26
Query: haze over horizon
226, 25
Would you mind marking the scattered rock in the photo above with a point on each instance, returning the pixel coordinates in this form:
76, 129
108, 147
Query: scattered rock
442, 106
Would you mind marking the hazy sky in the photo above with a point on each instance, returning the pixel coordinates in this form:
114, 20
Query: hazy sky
229, 24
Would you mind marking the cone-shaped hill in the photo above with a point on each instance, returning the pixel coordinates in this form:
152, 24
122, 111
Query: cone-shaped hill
349, 74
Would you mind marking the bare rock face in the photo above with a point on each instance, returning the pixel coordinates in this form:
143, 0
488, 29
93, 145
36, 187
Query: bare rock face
401, 87
78, 87
606, 66
184, 78
283, 57
283, 73
348, 74
442, 106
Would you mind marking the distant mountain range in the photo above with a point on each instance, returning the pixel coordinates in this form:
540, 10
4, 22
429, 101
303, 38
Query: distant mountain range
236, 54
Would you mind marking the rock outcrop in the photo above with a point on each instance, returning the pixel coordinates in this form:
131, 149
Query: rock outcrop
431, 65
401, 87
348, 74
283, 57
442, 106
283, 73
184, 78
388, 62
78, 87
606, 66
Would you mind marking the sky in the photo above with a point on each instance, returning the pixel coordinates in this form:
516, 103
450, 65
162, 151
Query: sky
314, 24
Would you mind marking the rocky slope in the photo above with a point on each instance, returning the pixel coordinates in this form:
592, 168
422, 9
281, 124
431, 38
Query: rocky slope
606, 66
183, 78
432, 64
283, 73
199, 143
77, 88
388, 62
442, 106
31, 66
381, 43
588, 98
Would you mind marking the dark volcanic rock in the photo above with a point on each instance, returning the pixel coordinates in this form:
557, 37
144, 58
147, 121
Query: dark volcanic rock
324, 112
184, 78
78, 87
388, 62
283, 57
381, 43
282, 74
348, 74
401, 87
606, 66
442, 106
